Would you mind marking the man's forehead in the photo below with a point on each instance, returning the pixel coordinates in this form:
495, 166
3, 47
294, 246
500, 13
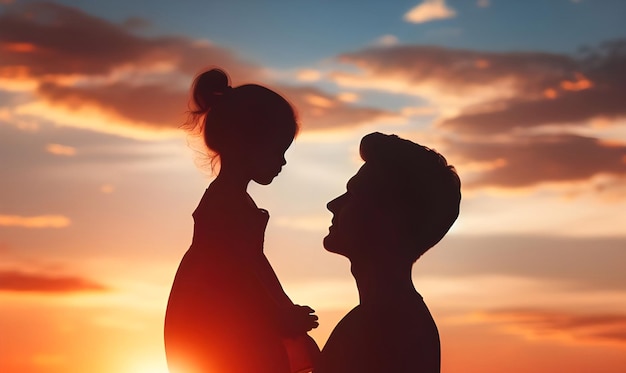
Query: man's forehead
368, 178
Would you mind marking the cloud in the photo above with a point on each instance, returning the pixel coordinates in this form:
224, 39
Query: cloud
17, 281
161, 108
41, 221
135, 80
572, 327
517, 115
499, 91
429, 10
114, 81
457, 71
386, 40
63, 150
580, 265
309, 75
569, 107
348, 97
322, 111
43, 31
152, 105
529, 160
107, 188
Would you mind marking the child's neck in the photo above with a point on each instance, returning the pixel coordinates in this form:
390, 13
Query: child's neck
232, 179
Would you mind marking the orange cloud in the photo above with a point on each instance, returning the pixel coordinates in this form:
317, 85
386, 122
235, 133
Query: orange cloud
319, 101
429, 10
321, 111
159, 105
107, 188
579, 84
576, 328
309, 75
550, 93
481, 63
348, 97
58, 149
16, 281
41, 221
18, 47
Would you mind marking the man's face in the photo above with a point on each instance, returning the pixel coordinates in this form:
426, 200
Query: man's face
358, 225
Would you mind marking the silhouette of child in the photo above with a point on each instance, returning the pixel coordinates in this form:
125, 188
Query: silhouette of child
227, 311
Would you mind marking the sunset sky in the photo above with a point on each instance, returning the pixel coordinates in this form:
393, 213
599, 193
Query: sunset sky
97, 183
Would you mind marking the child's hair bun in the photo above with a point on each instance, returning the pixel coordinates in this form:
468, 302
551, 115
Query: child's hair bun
208, 89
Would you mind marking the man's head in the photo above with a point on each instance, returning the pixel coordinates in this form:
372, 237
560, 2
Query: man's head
401, 202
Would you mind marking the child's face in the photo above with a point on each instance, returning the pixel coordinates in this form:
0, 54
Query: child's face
268, 158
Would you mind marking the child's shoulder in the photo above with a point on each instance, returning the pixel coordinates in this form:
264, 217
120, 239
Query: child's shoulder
221, 203
210, 203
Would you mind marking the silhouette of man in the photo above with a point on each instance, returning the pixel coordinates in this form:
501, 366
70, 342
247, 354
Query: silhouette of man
399, 204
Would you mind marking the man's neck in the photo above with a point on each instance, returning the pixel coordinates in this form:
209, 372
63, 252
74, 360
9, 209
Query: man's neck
380, 282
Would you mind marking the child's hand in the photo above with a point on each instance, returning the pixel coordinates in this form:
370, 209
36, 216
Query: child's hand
304, 316
299, 320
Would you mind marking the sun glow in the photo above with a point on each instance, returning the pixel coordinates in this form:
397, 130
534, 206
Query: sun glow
154, 365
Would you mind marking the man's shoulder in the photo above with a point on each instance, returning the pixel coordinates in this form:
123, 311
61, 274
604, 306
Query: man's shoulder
344, 346
384, 336
379, 320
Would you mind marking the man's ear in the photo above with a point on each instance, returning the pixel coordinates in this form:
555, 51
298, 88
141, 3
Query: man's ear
394, 230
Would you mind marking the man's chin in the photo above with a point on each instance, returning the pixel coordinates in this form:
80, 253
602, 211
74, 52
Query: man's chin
331, 246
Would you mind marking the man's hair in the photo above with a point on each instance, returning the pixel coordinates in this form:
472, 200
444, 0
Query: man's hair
424, 190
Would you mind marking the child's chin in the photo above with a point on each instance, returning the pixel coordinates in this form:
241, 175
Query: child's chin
264, 180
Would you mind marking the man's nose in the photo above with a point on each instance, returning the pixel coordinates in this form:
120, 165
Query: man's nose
332, 205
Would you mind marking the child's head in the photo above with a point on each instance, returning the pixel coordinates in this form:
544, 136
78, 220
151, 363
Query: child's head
249, 126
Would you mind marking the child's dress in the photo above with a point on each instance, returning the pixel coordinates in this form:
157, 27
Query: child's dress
225, 310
